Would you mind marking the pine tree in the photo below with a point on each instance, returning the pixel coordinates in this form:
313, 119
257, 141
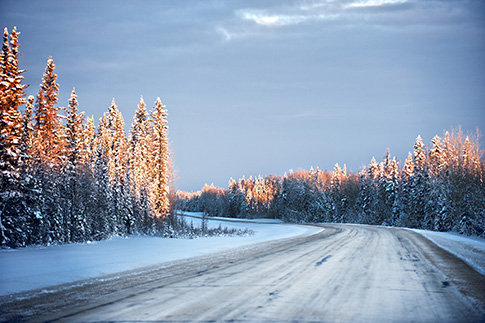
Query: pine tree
436, 157
392, 192
49, 137
89, 144
159, 193
12, 221
116, 145
74, 218
11, 97
74, 133
406, 194
335, 195
370, 191
139, 159
114, 152
27, 140
421, 208
384, 204
140, 172
103, 223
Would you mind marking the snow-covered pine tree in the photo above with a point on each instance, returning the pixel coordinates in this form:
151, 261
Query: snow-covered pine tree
114, 149
436, 157
89, 144
421, 208
371, 199
335, 195
74, 133
12, 220
139, 158
140, 172
27, 140
11, 97
472, 205
102, 224
384, 204
49, 136
115, 144
73, 172
86, 180
390, 188
236, 199
406, 191
439, 199
49, 156
160, 190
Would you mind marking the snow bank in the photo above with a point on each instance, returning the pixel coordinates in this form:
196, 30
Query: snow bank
39, 267
190, 216
469, 249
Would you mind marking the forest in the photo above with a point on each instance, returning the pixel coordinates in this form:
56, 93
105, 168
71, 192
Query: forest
438, 188
64, 180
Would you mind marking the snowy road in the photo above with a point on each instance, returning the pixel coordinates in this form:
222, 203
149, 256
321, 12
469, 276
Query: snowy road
344, 273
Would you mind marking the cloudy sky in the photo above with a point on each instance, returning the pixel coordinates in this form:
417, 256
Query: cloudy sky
260, 87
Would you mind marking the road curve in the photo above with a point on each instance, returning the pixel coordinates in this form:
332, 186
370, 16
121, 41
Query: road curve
347, 273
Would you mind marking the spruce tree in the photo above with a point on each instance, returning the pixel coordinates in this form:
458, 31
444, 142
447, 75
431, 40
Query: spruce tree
89, 144
421, 208
140, 171
103, 224
11, 97
12, 220
74, 133
73, 171
49, 136
139, 158
371, 197
114, 152
392, 192
27, 140
159, 193
335, 195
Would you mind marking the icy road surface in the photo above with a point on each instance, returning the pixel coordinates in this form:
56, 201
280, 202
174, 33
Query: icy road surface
344, 273
40, 267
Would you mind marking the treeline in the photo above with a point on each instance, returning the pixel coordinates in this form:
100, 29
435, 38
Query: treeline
440, 188
64, 180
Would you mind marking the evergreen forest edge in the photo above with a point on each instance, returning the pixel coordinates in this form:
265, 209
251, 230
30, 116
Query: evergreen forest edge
64, 180
440, 189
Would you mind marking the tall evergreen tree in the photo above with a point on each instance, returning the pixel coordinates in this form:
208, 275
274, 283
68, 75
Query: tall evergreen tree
139, 158
11, 129
392, 192
11, 97
436, 157
49, 136
140, 171
27, 140
421, 208
73, 171
114, 148
89, 144
74, 133
159, 194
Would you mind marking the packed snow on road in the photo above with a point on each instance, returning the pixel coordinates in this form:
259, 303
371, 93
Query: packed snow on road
41, 266
44, 266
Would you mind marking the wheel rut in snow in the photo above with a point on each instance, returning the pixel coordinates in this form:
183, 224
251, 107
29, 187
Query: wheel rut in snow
457, 272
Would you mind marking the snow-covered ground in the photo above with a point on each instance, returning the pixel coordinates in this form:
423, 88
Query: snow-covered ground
39, 267
469, 249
